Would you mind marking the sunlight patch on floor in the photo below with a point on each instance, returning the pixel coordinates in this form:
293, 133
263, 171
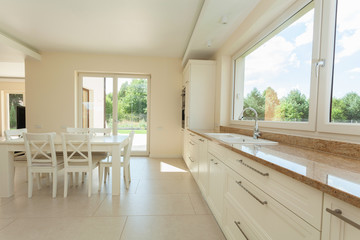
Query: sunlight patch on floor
164, 167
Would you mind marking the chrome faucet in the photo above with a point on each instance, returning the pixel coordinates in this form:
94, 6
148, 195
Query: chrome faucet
256, 133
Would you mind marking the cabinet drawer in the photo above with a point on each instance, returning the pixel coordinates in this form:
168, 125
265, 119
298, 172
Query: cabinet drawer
217, 150
265, 215
235, 226
303, 200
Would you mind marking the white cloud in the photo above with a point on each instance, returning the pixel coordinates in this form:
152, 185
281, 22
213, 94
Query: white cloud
282, 92
348, 29
307, 36
270, 58
255, 82
354, 70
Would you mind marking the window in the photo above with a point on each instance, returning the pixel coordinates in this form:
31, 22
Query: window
274, 76
14, 101
116, 101
345, 99
303, 72
339, 79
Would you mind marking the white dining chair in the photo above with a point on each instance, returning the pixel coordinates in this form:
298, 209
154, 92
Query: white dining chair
125, 164
77, 130
19, 157
41, 158
100, 131
78, 157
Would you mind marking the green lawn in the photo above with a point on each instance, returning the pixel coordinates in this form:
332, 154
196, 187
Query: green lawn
136, 131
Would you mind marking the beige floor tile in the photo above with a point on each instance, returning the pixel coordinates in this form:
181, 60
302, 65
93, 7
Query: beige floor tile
199, 204
196, 227
168, 186
64, 228
4, 200
133, 204
41, 206
5, 222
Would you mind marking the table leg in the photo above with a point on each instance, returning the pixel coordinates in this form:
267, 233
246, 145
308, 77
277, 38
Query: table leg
6, 172
116, 158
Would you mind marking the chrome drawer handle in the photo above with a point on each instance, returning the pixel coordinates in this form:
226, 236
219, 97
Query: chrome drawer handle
191, 159
192, 134
191, 143
254, 169
202, 140
338, 213
257, 199
237, 223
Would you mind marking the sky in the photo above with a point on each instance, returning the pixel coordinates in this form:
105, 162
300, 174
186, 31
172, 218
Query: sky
284, 62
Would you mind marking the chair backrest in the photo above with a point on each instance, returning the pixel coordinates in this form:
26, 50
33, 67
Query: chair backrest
15, 134
76, 148
100, 131
40, 149
128, 147
77, 130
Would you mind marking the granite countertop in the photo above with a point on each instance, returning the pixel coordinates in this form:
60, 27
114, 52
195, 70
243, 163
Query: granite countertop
335, 175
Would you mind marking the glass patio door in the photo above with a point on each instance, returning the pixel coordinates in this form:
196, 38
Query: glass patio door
119, 102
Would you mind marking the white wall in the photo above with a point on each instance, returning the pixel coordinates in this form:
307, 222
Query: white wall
50, 93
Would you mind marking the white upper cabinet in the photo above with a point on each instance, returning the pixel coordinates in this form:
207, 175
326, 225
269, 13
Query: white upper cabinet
199, 81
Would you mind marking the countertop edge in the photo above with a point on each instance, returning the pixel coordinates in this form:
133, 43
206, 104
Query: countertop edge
335, 192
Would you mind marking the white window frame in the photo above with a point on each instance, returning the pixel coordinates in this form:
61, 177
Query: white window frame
325, 76
311, 124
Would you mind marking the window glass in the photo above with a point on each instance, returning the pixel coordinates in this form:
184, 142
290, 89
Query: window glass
345, 104
274, 76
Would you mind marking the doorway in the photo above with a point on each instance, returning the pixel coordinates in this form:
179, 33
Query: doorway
117, 101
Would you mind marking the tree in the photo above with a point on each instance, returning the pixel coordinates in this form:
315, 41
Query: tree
337, 110
294, 107
255, 100
271, 103
351, 108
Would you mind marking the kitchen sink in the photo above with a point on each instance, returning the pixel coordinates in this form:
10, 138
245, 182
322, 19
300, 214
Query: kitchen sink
233, 138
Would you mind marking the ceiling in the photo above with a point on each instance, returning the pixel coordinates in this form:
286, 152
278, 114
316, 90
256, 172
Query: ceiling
165, 28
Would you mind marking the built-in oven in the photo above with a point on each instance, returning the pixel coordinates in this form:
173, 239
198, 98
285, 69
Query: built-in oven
183, 107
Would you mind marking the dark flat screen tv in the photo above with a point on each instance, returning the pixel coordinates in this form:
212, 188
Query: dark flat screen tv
20, 117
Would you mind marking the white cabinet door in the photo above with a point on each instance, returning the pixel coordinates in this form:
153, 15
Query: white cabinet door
341, 221
216, 186
199, 79
203, 166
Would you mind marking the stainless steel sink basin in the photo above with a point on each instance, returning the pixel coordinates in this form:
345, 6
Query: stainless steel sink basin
233, 138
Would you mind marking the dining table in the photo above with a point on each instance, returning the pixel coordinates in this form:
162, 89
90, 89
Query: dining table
111, 144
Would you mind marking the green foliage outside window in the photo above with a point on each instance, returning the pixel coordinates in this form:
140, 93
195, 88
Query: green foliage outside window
295, 106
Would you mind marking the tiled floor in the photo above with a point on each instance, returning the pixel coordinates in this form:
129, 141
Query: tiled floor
163, 203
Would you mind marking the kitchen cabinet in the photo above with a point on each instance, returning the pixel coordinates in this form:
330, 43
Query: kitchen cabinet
259, 216
199, 82
341, 221
301, 199
203, 180
216, 186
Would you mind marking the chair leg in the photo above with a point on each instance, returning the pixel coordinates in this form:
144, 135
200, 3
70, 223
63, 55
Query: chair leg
66, 175
38, 180
89, 183
26, 174
106, 169
30, 184
101, 171
129, 172
82, 177
126, 176
54, 190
